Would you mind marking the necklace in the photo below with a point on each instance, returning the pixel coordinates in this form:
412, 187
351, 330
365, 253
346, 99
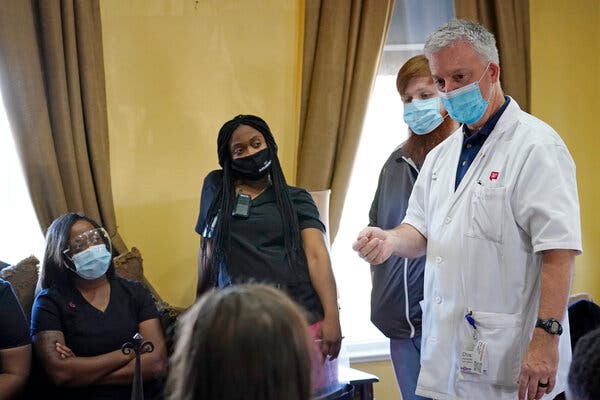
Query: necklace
244, 188
252, 194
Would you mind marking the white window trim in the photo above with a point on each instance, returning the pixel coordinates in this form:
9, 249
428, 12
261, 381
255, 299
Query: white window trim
404, 47
360, 351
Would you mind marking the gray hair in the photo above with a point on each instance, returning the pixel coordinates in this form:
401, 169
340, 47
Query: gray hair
480, 39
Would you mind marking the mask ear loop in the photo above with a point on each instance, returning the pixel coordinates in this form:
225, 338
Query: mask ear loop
493, 85
445, 111
105, 240
68, 261
484, 71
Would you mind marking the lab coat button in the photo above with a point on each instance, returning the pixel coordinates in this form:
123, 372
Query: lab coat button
448, 220
438, 299
438, 260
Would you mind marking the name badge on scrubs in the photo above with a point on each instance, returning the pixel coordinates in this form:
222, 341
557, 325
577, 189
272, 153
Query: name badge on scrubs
473, 359
242, 206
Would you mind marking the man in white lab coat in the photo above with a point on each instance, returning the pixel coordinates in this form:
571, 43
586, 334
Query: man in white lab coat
496, 211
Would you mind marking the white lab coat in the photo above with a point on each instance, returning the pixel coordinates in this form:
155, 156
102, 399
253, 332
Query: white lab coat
518, 198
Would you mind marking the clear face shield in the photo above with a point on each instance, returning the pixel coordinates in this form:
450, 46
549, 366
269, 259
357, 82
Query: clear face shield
86, 240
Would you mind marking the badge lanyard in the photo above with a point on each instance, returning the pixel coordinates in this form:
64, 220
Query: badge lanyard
473, 358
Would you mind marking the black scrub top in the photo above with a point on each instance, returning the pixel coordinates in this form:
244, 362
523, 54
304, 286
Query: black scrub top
13, 323
257, 252
90, 332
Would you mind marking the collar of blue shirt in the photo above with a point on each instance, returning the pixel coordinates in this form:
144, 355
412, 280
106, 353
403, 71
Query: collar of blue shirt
488, 127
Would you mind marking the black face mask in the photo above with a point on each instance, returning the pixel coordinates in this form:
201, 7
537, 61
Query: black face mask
253, 167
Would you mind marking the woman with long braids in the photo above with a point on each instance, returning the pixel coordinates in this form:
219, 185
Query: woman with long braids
256, 228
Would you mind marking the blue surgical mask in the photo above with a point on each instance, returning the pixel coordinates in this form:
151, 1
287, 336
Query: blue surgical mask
93, 262
466, 104
423, 116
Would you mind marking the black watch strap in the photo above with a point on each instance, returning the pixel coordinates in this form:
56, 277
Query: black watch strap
550, 325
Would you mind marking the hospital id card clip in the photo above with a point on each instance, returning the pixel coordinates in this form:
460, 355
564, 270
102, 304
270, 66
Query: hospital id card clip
242, 205
473, 358
471, 321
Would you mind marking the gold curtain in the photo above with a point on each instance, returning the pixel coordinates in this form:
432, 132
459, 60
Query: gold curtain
343, 41
52, 81
508, 20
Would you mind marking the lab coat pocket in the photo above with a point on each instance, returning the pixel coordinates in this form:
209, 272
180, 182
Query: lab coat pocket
435, 358
430, 338
487, 205
502, 335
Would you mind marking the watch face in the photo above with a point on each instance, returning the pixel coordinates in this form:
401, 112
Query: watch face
551, 326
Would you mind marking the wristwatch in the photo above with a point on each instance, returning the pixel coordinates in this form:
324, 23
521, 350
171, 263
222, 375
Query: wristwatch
550, 325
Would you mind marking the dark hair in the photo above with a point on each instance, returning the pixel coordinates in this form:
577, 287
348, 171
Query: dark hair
222, 205
584, 372
245, 342
54, 272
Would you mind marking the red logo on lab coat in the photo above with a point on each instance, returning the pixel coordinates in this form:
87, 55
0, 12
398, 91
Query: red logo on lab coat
494, 175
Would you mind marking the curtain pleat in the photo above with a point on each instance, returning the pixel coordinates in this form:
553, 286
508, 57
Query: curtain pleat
52, 81
343, 42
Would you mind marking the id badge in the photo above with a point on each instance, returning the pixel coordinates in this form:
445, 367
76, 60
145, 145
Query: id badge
473, 360
466, 361
242, 206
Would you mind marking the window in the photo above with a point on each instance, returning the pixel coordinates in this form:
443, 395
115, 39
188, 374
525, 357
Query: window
383, 131
20, 233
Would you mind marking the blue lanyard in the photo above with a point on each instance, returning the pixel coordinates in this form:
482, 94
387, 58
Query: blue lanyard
470, 320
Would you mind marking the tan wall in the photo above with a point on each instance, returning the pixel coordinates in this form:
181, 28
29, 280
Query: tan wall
386, 388
174, 75
565, 58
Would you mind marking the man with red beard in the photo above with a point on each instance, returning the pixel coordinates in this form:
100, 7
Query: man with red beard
398, 282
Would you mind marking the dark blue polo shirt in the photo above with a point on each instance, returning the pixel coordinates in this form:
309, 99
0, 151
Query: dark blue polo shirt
473, 142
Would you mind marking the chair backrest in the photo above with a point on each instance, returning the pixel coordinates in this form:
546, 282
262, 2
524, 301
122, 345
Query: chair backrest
23, 277
321, 199
584, 317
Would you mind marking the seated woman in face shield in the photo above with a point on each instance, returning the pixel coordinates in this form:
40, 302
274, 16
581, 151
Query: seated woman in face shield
85, 313
257, 228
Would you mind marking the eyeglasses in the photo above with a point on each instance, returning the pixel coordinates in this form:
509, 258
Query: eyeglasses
83, 241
